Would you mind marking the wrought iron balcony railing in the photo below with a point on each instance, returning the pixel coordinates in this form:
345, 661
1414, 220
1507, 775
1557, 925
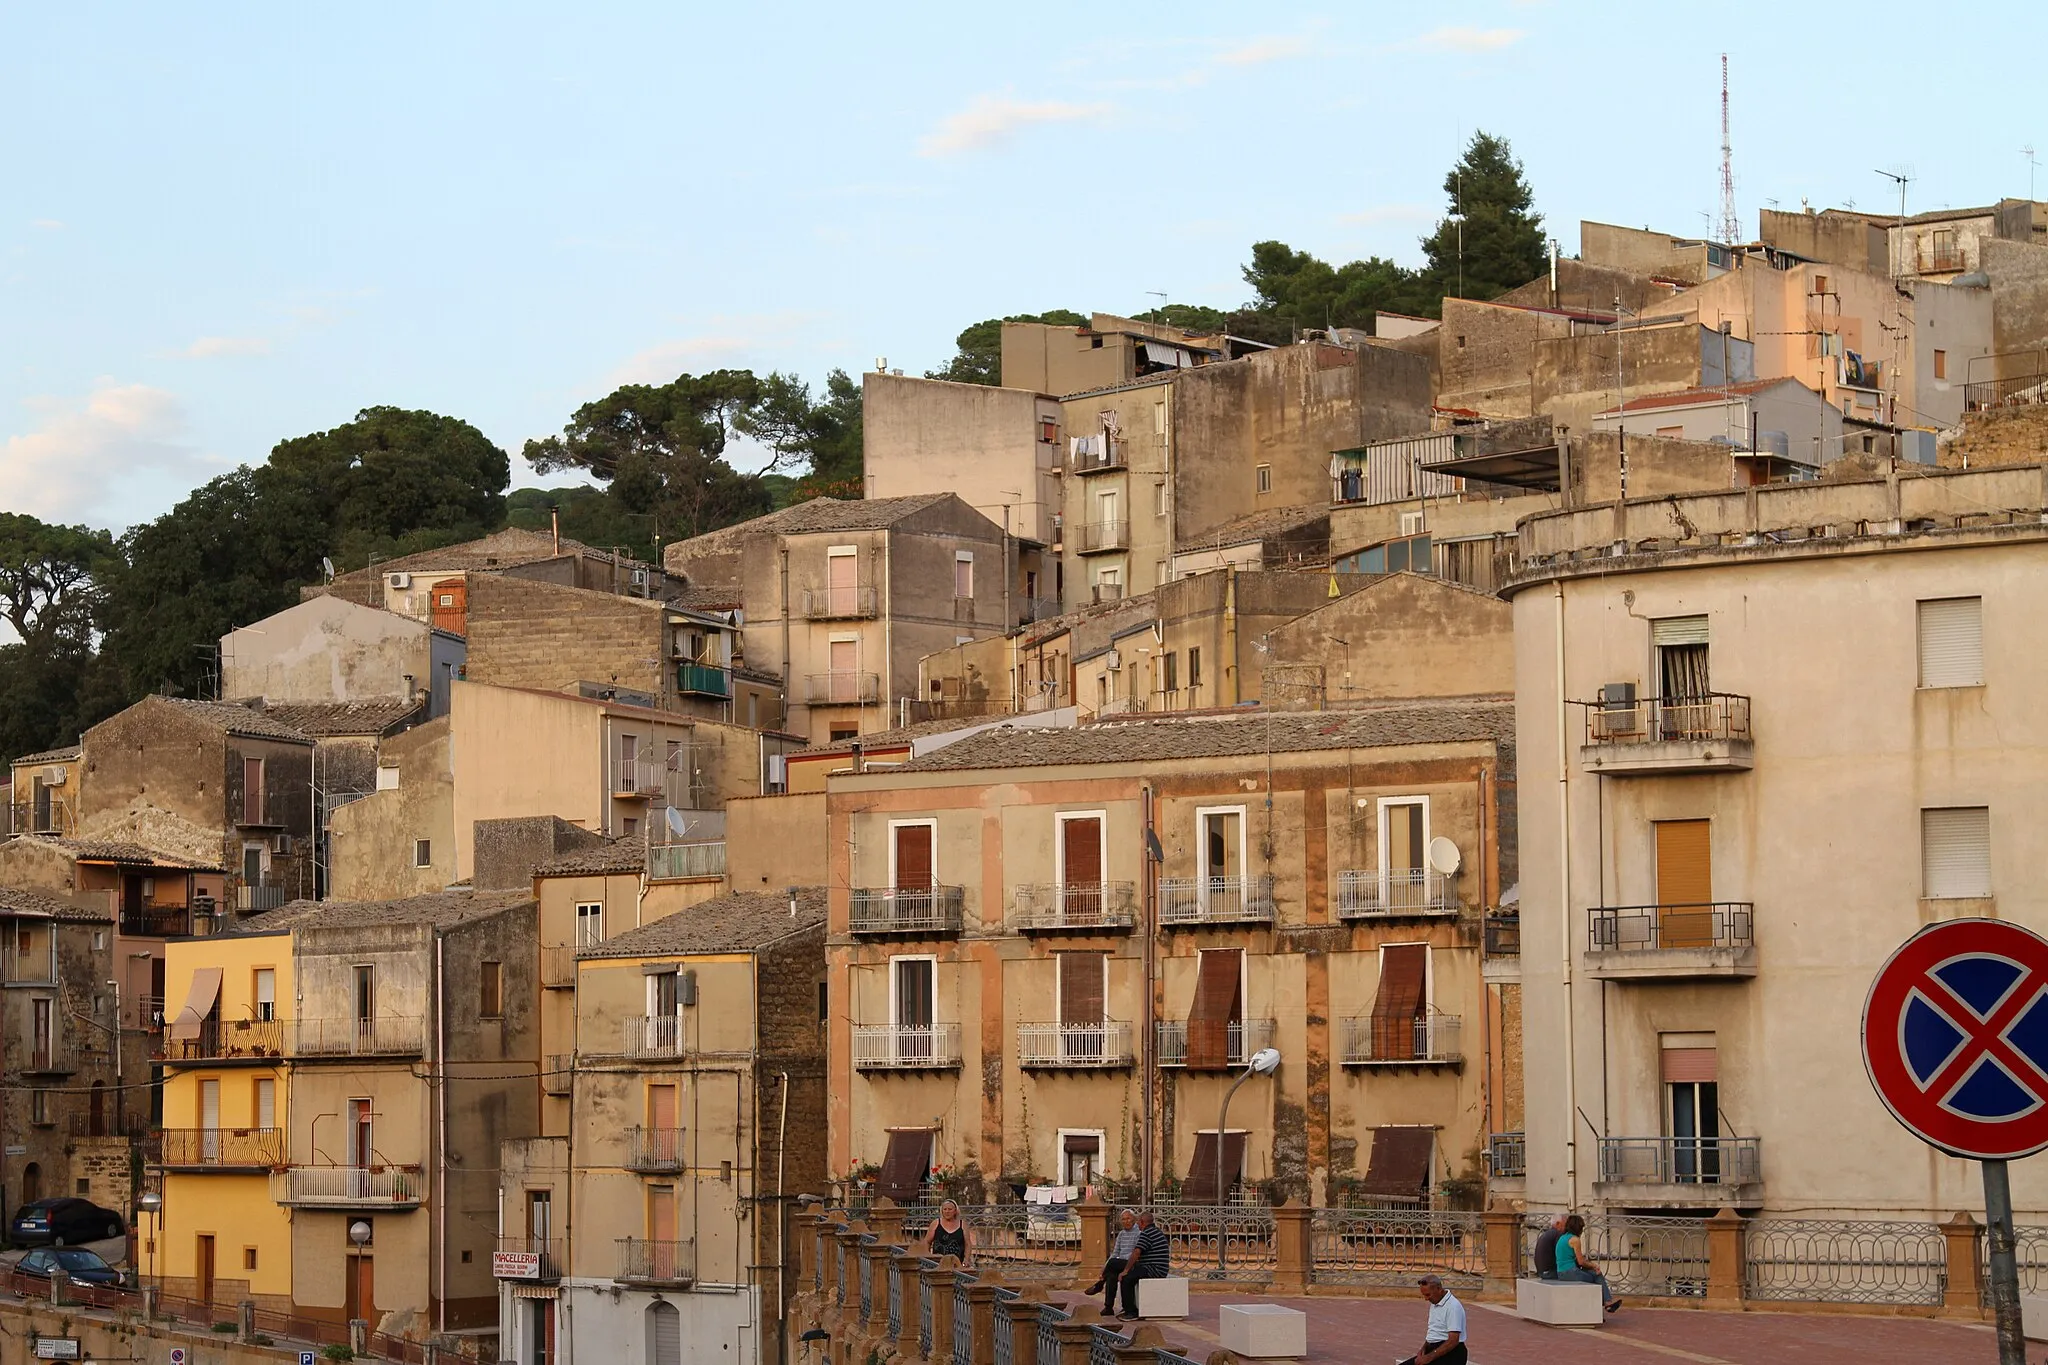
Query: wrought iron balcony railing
838, 604
350, 1187
898, 910
905, 1047
1081, 907
1241, 1039
1430, 1038
654, 1149
676, 862
1216, 900
1107, 1044
222, 1148
386, 1035
842, 689
1394, 893
1654, 928
1681, 1160
656, 1263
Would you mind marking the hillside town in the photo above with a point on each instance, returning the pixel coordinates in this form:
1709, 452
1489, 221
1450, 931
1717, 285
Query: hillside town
1352, 799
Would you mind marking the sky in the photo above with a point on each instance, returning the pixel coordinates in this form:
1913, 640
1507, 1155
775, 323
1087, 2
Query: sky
224, 225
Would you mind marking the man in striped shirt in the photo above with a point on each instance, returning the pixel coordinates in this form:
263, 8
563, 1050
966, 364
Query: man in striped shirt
1151, 1260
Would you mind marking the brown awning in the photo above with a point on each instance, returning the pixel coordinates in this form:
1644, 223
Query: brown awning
199, 1002
1404, 985
1202, 1185
906, 1164
1078, 1143
1400, 1162
1215, 1008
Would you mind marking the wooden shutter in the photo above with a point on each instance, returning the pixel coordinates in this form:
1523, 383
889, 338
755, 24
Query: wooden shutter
1399, 1166
1685, 884
252, 791
904, 1167
1216, 1007
1081, 852
1081, 987
913, 857
1404, 837
1404, 984
1203, 1185
1955, 852
661, 1106
1952, 642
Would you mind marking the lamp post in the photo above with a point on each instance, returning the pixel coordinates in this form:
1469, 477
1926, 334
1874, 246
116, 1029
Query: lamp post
1264, 1062
152, 1203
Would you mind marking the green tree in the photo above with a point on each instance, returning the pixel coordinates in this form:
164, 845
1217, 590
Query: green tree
978, 358
822, 437
1300, 292
589, 514
52, 578
1502, 244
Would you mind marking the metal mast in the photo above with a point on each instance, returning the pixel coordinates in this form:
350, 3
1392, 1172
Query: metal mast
1730, 230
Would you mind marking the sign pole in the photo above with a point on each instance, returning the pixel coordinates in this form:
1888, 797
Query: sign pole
2005, 1271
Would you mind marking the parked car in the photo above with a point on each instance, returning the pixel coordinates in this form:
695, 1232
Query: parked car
81, 1265
64, 1222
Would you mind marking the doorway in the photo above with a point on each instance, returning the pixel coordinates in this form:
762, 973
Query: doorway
359, 1290
203, 1268
1685, 883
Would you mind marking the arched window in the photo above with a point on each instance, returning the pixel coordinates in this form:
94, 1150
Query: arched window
664, 1334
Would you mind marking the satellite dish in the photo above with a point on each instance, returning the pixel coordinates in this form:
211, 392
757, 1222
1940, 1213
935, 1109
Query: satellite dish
676, 824
1443, 855
327, 567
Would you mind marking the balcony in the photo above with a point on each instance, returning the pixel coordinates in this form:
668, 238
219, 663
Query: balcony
654, 1035
257, 812
349, 1187
1419, 893
384, 1036
46, 1059
53, 815
1241, 1039
258, 1041
703, 680
157, 921
1945, 259
931, 911
1664, 735
558, 968
680, 862
558, 1074
1680, 1171
1189, 902
643, 778
222, 1149
1500, 963
1507, 1156
1091, 1047
1112, 456
1431, 1039
1672, 942
906, 1047
653, 1151
31, 968
842, 689
535, 1260
1077, 908
254, 900
1104, 537
838, 604
656, 1265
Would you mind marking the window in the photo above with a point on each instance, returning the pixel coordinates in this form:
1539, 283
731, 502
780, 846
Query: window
248, 1258
1681, 646
366, 994
663, 997
589, 924
1952, 642
913, 1005
42, 1037
630, 826
824, 1000
1955, 852
1672, 433
1689, 1065
1218, 1010
1083, 998
1169, 672
252, 864
1265, 478
1404, 851
490, 994
1194, 665
905, 1164
1820, 284
1869, 444
252, 791
540, 1214
1159, 500
1048, 430
1461, 343
1080, 861
912, 855
1941, 364
265, 992
1400, 1009
841, 733
265, 1102
39, 1107
1685, 883
963, 573
1222, 842
423, 853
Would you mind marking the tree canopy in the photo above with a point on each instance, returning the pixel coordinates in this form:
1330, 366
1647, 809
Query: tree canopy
1503, 244
978, 358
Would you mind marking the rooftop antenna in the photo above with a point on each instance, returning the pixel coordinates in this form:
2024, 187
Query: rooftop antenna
1730, 231
2032, 166
1902, 181
1159, 294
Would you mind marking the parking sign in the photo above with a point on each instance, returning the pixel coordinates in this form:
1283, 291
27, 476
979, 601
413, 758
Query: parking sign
305, 1358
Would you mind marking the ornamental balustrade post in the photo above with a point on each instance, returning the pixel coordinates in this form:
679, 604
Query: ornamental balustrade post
1294, 1251
1024, 1325
1077, 1338
907, 1267
885, 1219
1146, 1340
1725, 1233
803, 1236
940, 1282
1962, 1248
1097, 1219
981, 1307
1503, 1250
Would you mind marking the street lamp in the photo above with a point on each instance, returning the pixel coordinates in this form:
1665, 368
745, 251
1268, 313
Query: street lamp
1264, 1062
152, 1203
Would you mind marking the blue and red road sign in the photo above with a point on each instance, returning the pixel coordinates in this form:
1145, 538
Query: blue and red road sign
1955, 1038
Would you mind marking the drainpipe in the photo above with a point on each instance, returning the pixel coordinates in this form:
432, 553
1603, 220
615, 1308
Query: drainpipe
886, 693
1148, 1027
1230, 630
788, 694
441, 1146
1564, 893
781, 1222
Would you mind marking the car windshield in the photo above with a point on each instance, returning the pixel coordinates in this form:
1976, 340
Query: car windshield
71, 1258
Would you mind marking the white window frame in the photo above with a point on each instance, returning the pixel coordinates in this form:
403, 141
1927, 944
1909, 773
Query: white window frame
1059, 843
579, 939
963, 557
1202, 814
1428, 969
929, 822
652, 989
256, 1000
1263, 475
417, 845
895, 1018
1101, 1152
1380, 837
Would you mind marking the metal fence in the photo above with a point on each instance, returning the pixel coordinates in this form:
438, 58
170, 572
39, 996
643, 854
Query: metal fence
895, 1303
323, 1331
1832, 1260
1024, 1241
1206, 1237
1050, 1316
1005, 1327
1655, 1256
2030, 1249
1374, 1246
963, 1321
1103, 1344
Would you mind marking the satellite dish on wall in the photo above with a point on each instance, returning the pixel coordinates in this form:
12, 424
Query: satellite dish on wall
1444, 856
327, 567
676, 824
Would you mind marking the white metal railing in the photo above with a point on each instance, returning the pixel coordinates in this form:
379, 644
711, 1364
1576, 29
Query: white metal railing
654, 778
1075, 905
349, 1186
905, 910
655, 1035
1104, 1044
1216, 900
1375, 893
838, 603
386, 1034
906, 1046
1241, 1039
1431, 1036
673, 862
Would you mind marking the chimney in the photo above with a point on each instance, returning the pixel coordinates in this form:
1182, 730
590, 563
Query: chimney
411, 690
555, 519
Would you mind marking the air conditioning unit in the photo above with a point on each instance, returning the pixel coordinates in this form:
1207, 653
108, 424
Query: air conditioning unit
56, 777
1113, 660
1411, 523
282, 844
398, 580
1618, 714
639, 578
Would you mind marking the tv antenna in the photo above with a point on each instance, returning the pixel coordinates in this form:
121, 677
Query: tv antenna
1730, 230
1902, 180
1159, 294
2032, 166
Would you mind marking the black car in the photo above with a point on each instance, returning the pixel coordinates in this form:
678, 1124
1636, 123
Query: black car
63, 1222
80, 1264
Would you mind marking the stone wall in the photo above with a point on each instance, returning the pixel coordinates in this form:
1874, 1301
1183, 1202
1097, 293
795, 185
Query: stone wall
508, 850
103, 1170
524, 633
1998, 436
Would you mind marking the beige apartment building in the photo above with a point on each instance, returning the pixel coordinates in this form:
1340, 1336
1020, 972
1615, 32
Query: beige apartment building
693, 1102
1772, 732
999, 449
1051, 359
1018, 995
329, 649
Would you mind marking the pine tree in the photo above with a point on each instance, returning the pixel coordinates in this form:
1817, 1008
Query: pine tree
1503, 244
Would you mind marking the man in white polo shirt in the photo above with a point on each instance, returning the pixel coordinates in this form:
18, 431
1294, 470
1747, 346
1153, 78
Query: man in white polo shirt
1443, 1341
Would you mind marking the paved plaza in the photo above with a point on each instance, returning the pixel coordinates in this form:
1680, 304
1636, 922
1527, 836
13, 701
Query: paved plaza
1382, 1330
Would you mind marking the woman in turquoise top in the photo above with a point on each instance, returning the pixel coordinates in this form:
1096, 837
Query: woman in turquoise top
1573, 1265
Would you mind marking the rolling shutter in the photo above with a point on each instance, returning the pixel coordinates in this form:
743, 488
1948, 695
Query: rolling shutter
1081, 847
1216, 1008
1202, 1185
906, 1164
913, 857
1685, 883
1081, 988
1679, 630
1955, 852
1952, 642
664, 1334
1400, 1163
1404, 981
1687, 1065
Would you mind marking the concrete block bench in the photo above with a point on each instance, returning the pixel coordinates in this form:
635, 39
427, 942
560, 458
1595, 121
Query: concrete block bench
1164, 1296
1559, 1303
1263, 1331
2034, 1316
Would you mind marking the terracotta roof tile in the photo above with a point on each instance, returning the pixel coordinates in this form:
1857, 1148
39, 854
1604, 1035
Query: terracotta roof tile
16, 901
738, 922
65, 754
437, 908
626, 854
343, 717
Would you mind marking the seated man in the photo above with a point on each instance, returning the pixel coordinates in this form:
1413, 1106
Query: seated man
1443, 1340
1119, 1257
1150, 1260
1546, 1249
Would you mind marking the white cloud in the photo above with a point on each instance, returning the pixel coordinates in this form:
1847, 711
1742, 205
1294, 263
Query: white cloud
87, 456
1465, 38
1259, 51
208, 347
47, 224
993, 120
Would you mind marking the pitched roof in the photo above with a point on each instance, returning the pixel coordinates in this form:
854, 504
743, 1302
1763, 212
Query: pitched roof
1686, 398
234, 719
15, 901
898, 737
1233, 734
738, 922
504, 549
343, 717
819, 514
63, 755
1271, 521
1050, 626
625, 854
436, 908
120, 851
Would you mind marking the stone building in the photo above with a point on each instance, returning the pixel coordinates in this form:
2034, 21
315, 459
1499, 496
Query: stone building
1766, 734
433, 585
43, 795
999, 449
1019, 994
330, 650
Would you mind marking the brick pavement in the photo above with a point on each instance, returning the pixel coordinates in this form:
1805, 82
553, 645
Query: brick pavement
1379, 1331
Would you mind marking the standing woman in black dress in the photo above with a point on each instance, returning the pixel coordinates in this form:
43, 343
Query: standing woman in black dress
948, 1236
